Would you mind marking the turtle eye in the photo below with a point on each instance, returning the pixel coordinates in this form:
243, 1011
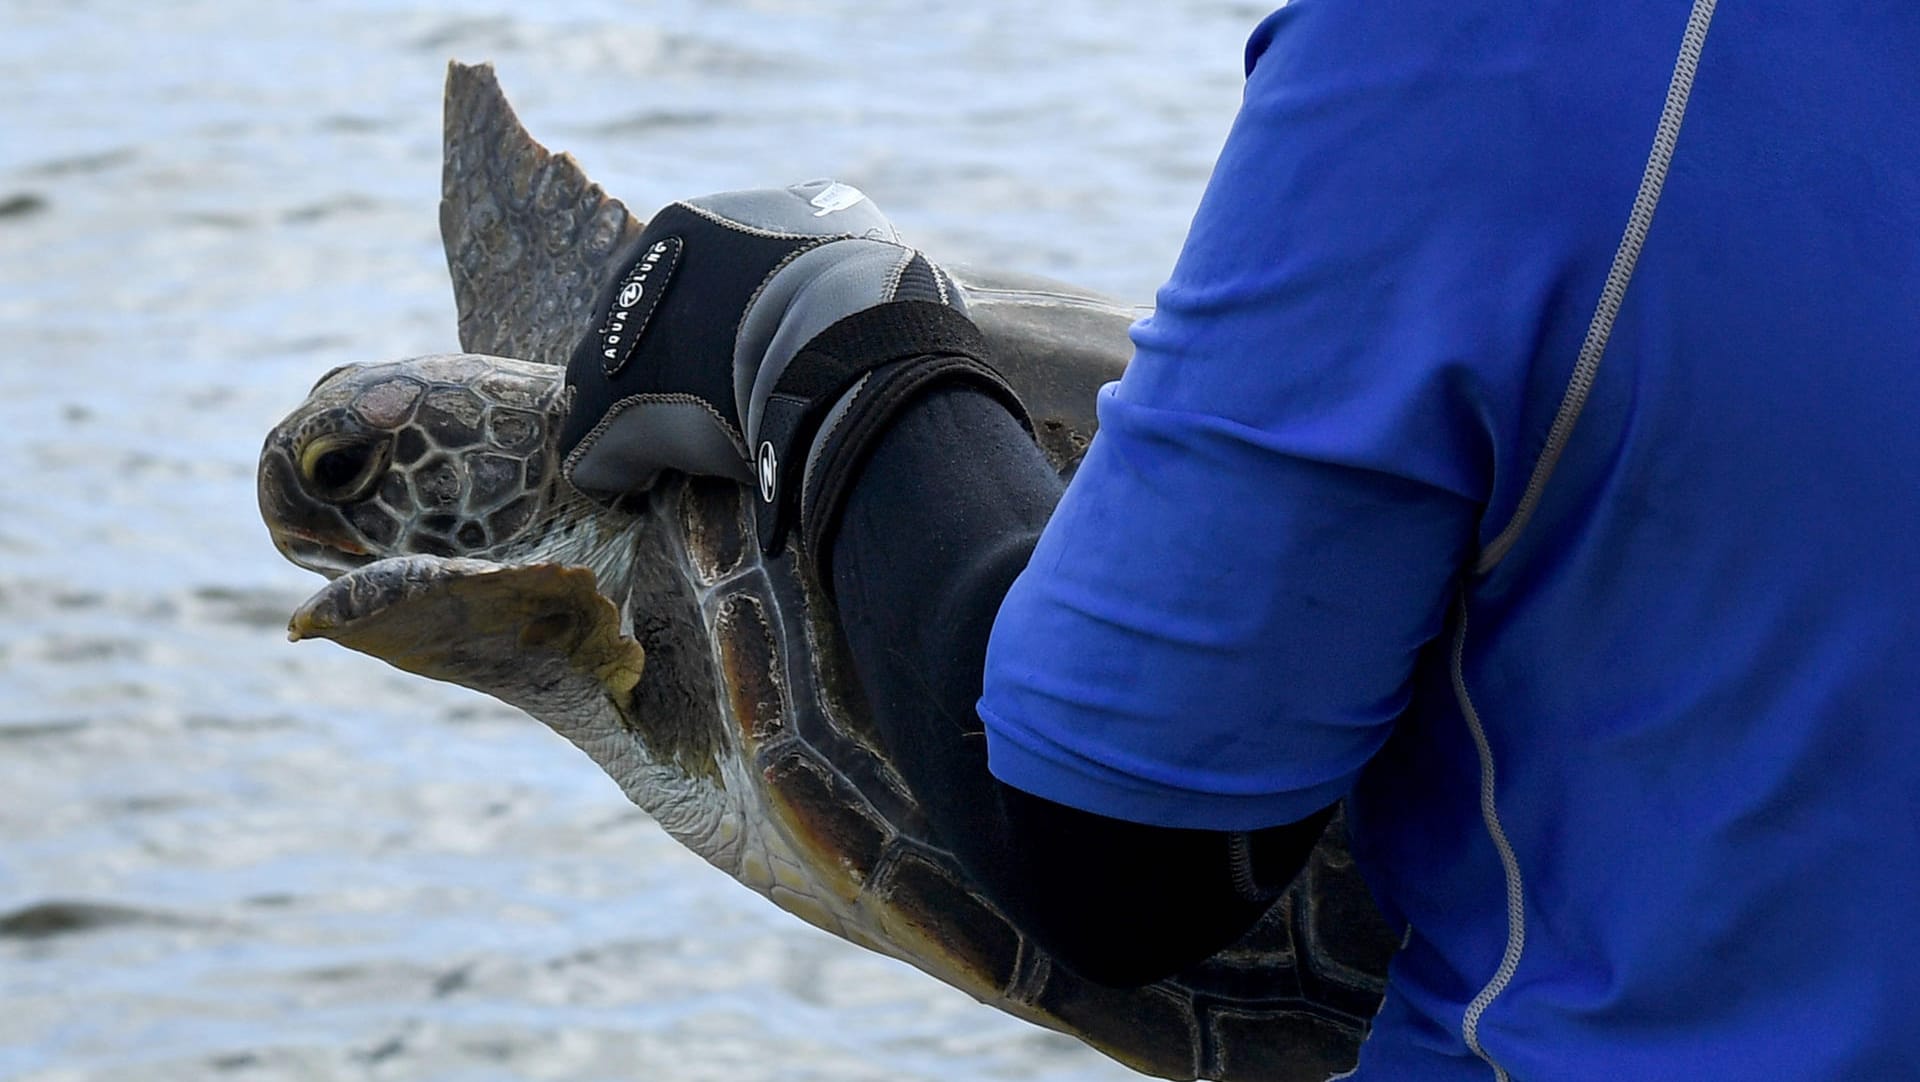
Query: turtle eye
341, 469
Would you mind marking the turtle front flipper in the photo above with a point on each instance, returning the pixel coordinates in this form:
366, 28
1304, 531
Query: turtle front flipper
539, 637
529, 238
533, 635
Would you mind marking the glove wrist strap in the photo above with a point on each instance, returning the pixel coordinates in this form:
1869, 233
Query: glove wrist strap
843, 444
840, 392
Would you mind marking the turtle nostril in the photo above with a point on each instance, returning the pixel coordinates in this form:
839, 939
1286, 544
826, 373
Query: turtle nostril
341, 469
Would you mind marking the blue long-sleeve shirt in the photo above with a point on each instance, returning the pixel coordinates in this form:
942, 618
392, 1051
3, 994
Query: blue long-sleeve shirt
1628, 712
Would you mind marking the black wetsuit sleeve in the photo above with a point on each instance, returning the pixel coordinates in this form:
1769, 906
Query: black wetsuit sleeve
940, 520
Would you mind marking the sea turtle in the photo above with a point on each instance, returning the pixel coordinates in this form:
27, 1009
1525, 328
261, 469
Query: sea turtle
712, 683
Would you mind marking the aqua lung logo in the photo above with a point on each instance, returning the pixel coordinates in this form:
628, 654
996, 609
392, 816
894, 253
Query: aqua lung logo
836, 196
633, 304
769, 469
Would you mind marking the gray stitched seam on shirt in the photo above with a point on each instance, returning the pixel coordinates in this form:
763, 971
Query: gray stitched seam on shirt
1509, 863
1639, 221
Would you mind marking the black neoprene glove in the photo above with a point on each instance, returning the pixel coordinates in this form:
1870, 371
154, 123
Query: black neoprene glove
766, 336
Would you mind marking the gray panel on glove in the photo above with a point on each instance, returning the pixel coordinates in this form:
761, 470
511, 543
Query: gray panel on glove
815, 208
645, 434
820, 287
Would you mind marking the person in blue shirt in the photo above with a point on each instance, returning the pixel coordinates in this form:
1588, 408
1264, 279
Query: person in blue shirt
1523, 449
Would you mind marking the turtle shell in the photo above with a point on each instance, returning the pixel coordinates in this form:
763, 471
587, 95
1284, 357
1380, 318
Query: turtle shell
529, 239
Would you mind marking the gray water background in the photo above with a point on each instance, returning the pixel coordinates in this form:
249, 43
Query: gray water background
223, 856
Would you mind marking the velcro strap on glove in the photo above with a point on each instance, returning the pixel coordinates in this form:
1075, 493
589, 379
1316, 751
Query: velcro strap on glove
862, 371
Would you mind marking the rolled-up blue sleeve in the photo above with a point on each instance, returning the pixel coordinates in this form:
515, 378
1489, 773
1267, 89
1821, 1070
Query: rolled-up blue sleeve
1221, 623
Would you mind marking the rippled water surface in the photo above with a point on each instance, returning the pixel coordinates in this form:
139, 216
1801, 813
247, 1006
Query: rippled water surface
224, 856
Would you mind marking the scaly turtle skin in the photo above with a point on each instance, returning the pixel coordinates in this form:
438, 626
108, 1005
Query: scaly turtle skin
710, 683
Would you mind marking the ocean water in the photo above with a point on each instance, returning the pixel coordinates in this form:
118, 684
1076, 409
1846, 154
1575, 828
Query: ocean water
224, 856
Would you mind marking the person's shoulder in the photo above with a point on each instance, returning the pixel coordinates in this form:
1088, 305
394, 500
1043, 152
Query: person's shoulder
1549, 42
1520, 116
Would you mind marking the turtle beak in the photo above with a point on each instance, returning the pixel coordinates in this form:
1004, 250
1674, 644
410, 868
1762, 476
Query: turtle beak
306, 532
315, 555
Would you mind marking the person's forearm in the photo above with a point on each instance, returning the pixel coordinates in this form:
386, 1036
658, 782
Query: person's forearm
940, 521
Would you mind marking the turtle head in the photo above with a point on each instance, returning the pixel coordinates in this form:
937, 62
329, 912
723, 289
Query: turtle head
450, 455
